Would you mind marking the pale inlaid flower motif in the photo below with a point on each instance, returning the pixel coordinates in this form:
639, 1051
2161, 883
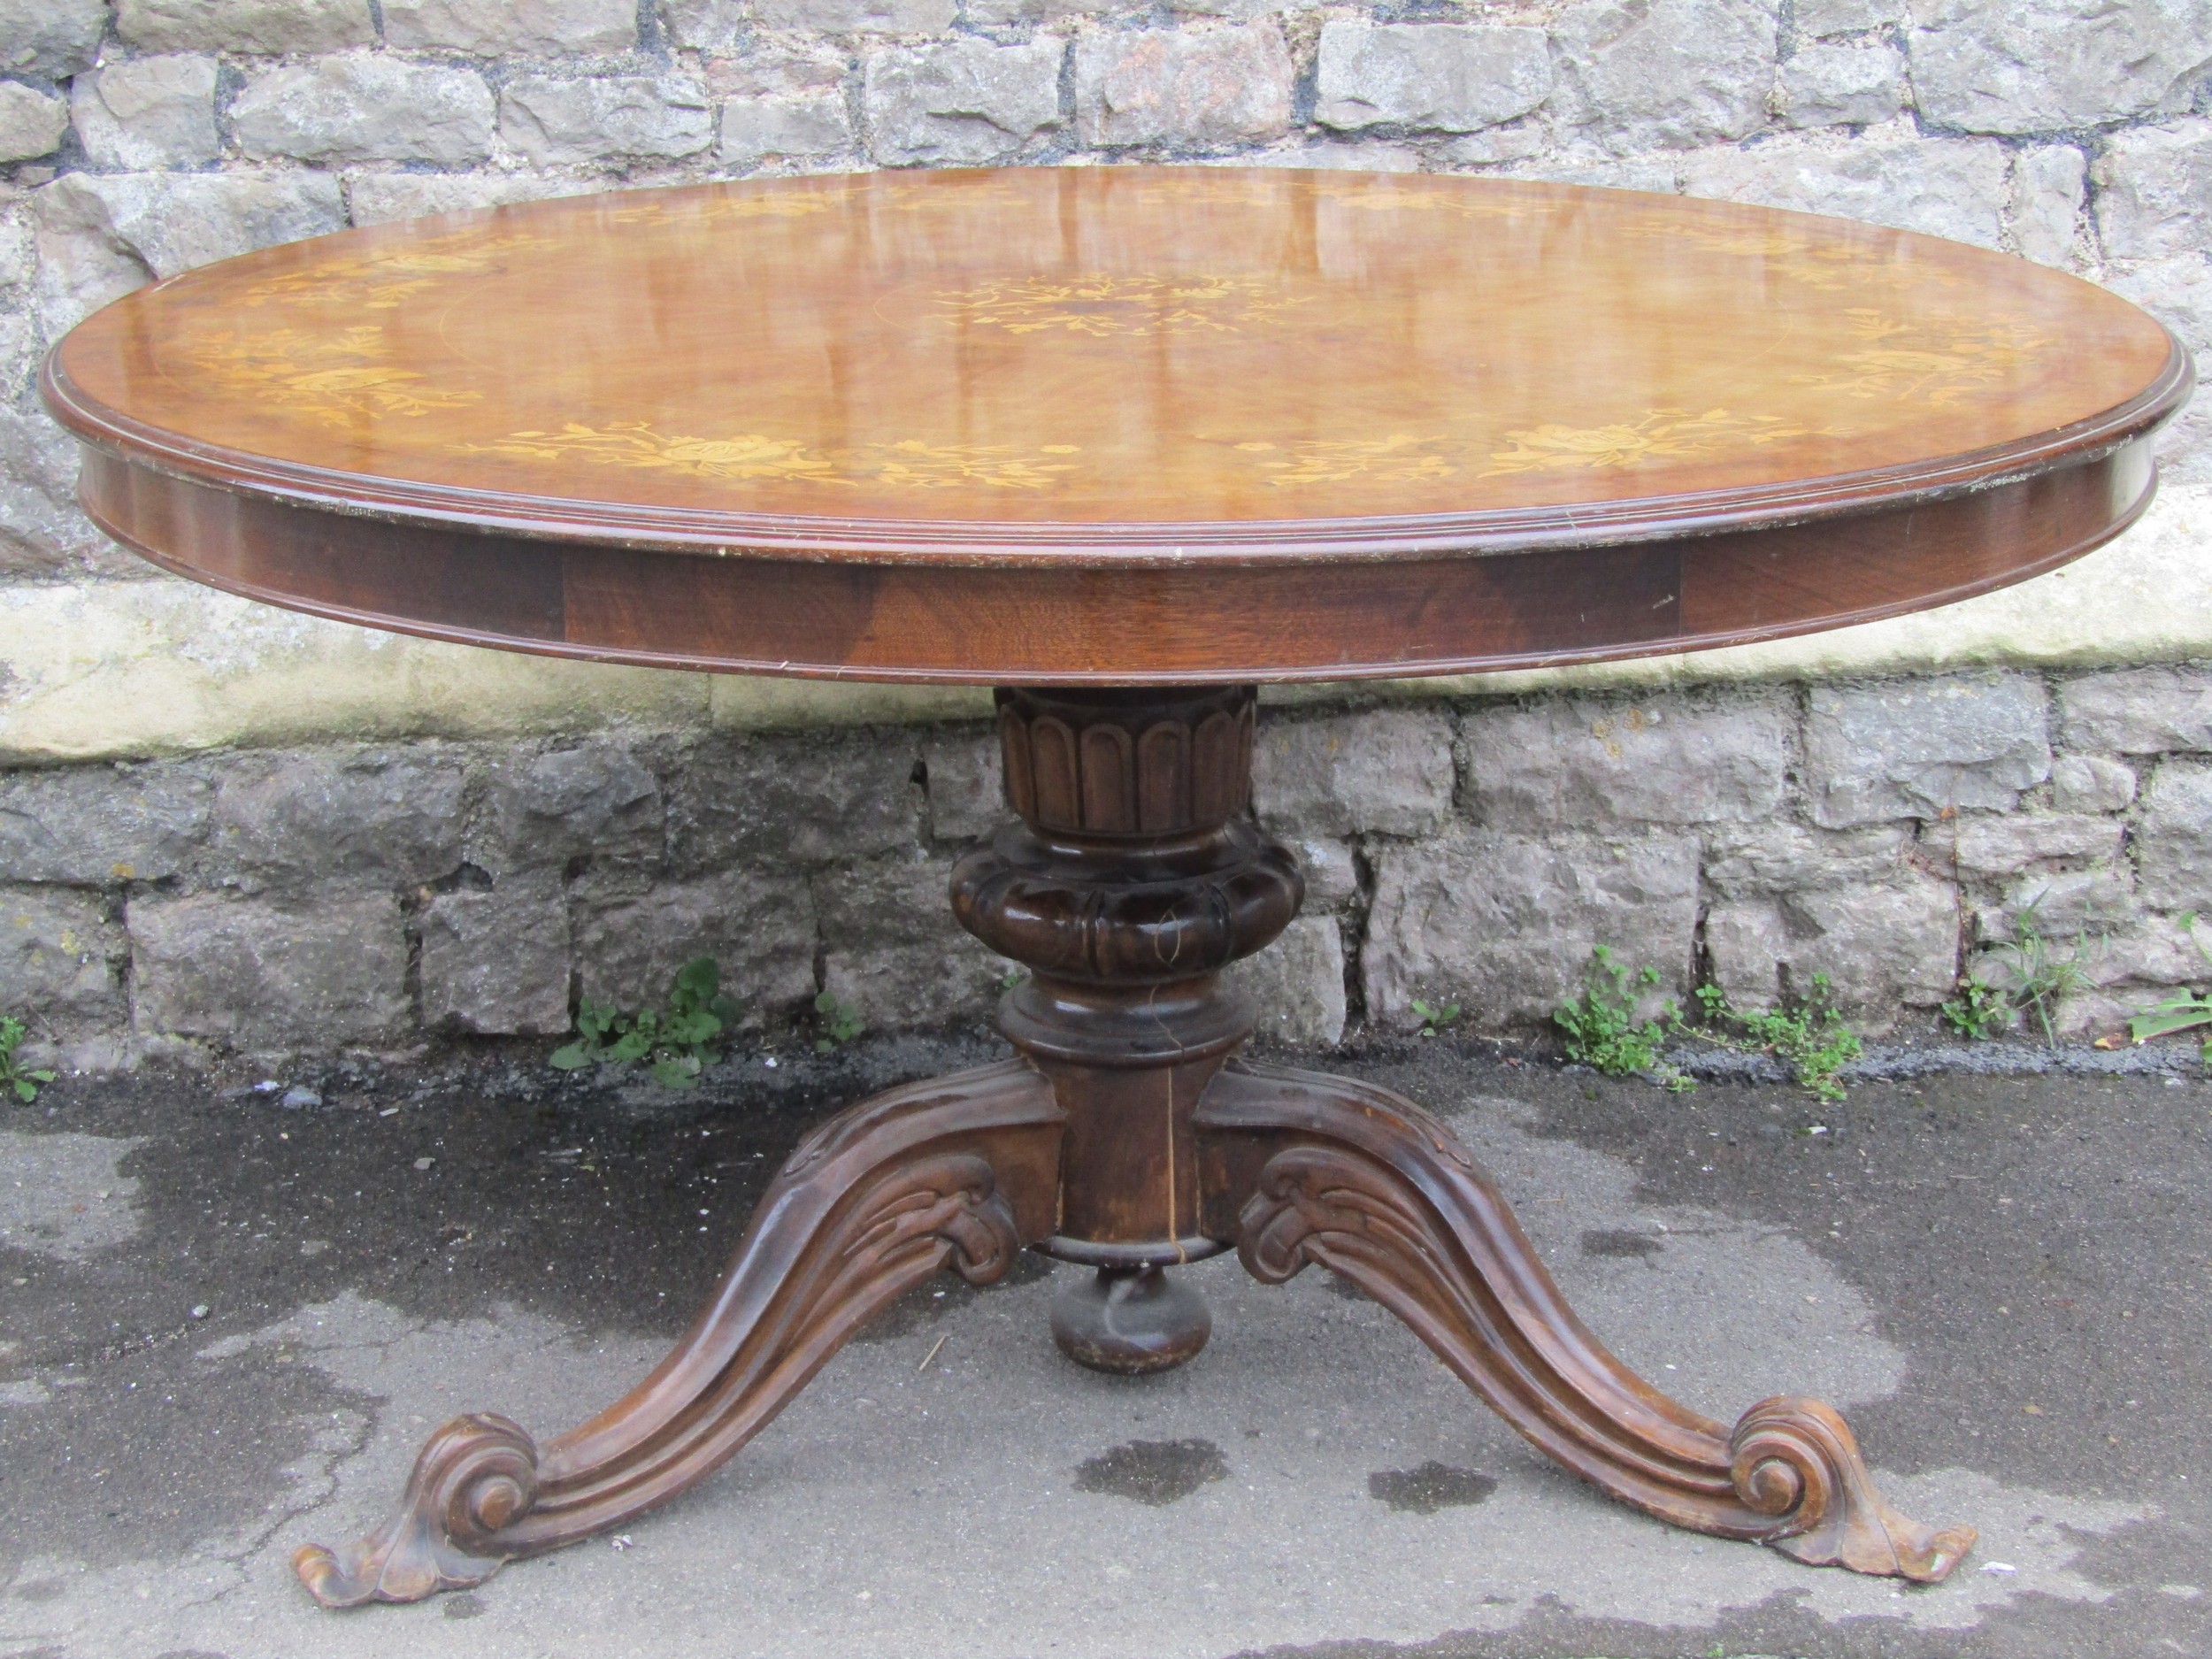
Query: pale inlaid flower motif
1660, 435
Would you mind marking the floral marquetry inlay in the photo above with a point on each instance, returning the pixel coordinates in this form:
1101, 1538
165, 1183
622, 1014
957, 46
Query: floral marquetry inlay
909, 464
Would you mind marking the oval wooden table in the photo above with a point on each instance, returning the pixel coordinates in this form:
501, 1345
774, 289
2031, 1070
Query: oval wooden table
1125, 444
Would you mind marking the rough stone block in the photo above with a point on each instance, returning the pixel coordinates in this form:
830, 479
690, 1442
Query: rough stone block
1385, 770
2137, 711
1505, 925
2173, 838
797, 801
245, 25
759, 926
1013, 13
552, 121
891, 948
1646, 74
1838, 85
964, 101
1778, 856
713, 26
1331, 875
2065, 904
846, 16
1822, 18
781, 68
493, 27
42, 530
51, 38
1941, 187
595, 800
148, 112
2006, 846
98, 826
2015, 66
1585, 764
1364, 155
365, 107
2090, 783
100, 237
377, 198
1434, 77
59, 957
1207, 88
315, 972
967, 785
2155, 191
1879, 946
1298, 983
753, 128
496, 961
1922, 747
299, 818
31, 122
2049, 184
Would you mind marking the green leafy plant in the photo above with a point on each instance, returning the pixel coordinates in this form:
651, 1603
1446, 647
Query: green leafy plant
1807, 1034
2025, 979
1980, 1011
840, 1022
1601, 1029
25, 1083
2183, 1011
1434, 1016
676, 1040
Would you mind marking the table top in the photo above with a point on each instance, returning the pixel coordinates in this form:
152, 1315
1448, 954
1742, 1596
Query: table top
1116, 370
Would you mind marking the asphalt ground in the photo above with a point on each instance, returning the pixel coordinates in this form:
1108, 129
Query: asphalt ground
225, 1322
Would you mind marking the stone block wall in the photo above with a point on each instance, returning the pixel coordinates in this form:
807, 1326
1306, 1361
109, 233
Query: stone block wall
1885, 833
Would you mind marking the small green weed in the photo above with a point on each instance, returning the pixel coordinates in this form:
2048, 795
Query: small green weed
1434, 1016
676, 1039
840, 1022
1807, 1035
2181, 1011
1601, 1029
1980, 1011
2027, 978
25, 1083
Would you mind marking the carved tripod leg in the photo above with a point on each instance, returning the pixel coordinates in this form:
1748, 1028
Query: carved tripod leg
1324, 1170
961, 1172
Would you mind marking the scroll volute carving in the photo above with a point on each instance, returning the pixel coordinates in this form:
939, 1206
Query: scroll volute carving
1120, 764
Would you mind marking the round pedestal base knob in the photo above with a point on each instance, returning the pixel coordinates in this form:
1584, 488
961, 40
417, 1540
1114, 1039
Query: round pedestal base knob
1130, 1320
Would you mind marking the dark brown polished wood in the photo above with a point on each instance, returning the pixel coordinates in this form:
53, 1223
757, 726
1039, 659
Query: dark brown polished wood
1130, 441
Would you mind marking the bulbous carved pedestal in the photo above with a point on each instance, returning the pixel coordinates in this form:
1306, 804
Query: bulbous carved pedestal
1128, 1137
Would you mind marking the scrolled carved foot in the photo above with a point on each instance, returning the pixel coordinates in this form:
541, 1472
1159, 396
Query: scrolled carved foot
473, 1477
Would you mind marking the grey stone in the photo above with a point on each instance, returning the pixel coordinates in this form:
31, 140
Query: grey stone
595, 800
148, 112
1516, 142
377, 198
1370, 155
1437, 77
365, 107
2015, 66
1331, 875
2173, 838
42, 530
1644, 74
1877, 946
1920, 748
551, 121
1820, 18
707, 26
2090, 783
245, 25
964, 101
1662, 178
2006, 846
493, 27
53, 38
1504, 925
304, 818
967, 785
1298, 984
1386, 770
1585, 764
846, 16
98, 826
2137, 711
314, 971
497, 962
753, 128
891, 948
2177, 290
1943, 187
1777, 857
1836, 86
2155, 191
1013, 14
60, 956
802, 800
2049, 184
31, 122
1206, 88
2065, 905
759, 927
777, 68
